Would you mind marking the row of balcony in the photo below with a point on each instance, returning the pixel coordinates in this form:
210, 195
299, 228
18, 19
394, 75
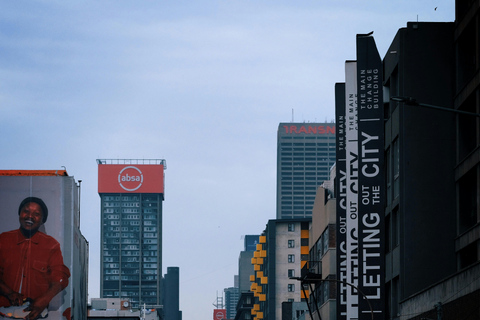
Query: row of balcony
259, 279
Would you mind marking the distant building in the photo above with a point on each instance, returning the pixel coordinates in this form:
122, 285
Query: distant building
245, 267
131, 194
245, 272
305, 153
171, 294
232, 296
280, 256
245, 306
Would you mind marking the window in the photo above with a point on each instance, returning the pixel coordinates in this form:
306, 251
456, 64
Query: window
291, 287
291, 258
468, 255
291, 243
325, 237
468, 192
388, 233
395, 295
467, 128
388, 164
291, 273
396, 168
467, 61
395, 228
291, 227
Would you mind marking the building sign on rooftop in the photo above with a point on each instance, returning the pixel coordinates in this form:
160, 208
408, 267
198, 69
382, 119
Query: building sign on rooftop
306, 128
130, 178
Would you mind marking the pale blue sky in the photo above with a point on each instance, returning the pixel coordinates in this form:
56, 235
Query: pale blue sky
201, 84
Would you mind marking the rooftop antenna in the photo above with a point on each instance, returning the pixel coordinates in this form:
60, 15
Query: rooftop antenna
219, 302
293, 118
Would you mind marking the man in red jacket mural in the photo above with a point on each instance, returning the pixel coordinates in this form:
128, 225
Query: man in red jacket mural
31, 262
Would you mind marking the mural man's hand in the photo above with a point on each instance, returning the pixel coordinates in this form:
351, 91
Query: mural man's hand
36, 308
15, 298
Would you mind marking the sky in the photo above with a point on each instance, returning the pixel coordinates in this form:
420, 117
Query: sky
202, 84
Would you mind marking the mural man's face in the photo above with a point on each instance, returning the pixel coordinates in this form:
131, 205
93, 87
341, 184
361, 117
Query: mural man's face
31, 217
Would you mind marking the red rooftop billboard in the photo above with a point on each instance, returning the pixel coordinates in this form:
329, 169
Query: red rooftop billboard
128, 178
219, 314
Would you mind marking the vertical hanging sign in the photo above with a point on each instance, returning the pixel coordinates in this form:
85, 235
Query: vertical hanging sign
351, 203
371, 180
360, 187
347, 194
341, 189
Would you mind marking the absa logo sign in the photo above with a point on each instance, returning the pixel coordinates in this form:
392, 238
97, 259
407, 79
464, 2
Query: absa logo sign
130, 178
220, 315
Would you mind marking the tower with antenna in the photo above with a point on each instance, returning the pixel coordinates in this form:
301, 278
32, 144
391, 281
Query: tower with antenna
218, 303
219, 313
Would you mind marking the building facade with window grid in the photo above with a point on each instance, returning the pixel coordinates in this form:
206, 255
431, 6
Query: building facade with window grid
432, 212
280, 255
305, 154
232, 295
131, 250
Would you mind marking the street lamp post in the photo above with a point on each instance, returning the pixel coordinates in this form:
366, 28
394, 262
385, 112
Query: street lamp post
413, 102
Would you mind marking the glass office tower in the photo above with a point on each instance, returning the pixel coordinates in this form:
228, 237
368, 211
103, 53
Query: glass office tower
131, 193
305, 154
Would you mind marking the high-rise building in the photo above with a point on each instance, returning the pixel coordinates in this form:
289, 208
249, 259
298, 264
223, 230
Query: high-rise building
231, 299
171, 296
433, 161
305, 153
279, 258
419, 162
245, 272
245, 267
131, 194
